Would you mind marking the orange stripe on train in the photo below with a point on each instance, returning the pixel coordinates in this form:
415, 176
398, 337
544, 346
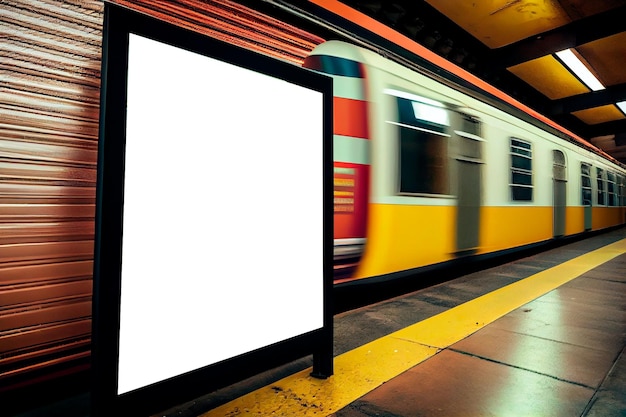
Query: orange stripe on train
350, 118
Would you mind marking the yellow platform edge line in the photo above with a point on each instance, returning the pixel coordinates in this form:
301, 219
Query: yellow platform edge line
361, 370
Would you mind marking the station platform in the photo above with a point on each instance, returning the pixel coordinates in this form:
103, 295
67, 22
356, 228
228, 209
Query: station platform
543, 335
540, 336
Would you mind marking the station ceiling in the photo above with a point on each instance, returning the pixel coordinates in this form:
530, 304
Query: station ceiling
512, 45
509, 44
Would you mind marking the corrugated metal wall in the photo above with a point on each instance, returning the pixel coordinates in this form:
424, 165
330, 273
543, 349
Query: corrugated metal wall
233, 23
49, 95
49, 102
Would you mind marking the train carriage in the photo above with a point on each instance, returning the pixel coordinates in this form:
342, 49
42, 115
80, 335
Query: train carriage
426, 174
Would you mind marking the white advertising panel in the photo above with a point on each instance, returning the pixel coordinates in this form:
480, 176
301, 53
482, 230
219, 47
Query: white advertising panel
222, 249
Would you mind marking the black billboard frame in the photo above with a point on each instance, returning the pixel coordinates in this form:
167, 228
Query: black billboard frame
119, 23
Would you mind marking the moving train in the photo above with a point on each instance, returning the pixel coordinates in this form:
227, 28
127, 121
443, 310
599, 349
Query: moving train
425, 174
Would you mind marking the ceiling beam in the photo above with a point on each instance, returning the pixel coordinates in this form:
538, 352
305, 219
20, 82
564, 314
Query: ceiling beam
576, 33
616, 127
610, 95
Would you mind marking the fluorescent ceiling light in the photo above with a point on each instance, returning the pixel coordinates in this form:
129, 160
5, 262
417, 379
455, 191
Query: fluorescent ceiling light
622, 106
578, 68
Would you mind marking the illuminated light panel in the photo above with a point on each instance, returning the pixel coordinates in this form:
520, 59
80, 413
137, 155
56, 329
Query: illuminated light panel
622, 106
430, 113
580, 69
412, 97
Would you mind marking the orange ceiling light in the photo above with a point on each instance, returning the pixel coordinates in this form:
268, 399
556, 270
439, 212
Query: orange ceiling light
599, 114
490, 21
606, 55
549, 77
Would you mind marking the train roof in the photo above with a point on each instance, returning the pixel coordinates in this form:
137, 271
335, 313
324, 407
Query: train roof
466, 83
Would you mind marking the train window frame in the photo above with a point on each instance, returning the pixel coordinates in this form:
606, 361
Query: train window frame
423, 124
611, 189
521, 150
469, 147
586, 188
559, 169
621, 197
600, 187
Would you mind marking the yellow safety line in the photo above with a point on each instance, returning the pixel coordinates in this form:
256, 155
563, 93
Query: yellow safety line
361, 370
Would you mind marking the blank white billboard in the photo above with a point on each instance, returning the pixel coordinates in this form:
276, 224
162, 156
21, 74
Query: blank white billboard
222, 249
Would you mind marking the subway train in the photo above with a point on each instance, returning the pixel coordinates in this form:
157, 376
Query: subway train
426, 174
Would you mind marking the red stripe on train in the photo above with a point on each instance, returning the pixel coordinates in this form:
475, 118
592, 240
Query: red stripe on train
351, 196
350, 118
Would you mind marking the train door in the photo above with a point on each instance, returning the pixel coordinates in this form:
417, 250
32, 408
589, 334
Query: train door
585, 177
559, 174
469, 185
621, 199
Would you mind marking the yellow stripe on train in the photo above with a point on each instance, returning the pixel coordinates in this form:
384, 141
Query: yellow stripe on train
404, 237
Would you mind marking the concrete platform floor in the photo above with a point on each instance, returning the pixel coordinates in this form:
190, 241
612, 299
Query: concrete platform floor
559, 355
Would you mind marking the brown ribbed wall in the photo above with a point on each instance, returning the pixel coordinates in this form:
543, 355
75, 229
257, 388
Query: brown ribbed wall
233, 23
49, 95
49, 102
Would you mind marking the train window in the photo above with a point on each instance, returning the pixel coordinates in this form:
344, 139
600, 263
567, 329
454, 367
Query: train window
470, 148
618, 196
600, 180
470, 125
521, 170
585, 174
470, 145
621, 190
610, 188
423, 159
559, 171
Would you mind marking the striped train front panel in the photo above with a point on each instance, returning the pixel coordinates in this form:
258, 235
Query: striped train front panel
351, 155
